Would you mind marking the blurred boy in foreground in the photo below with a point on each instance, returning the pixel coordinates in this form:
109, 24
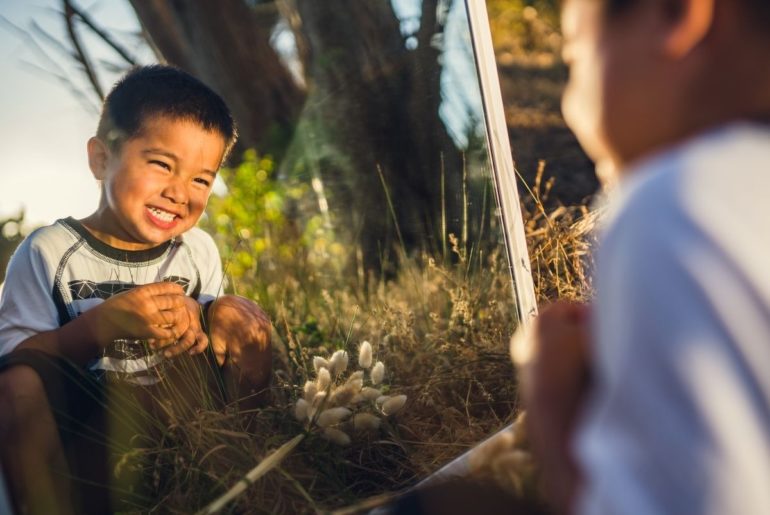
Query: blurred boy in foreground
656, 399
115, 295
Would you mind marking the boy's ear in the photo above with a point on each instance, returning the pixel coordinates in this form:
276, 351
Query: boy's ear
690, 23
98, 154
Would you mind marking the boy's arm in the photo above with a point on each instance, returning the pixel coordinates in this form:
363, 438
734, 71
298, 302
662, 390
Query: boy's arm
554, 385
157, 312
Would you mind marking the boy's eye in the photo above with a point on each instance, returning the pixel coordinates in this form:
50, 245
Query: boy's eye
162, 164
201, 180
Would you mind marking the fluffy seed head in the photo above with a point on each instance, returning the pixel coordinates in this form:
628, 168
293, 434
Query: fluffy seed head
356, 385
336, 436
319, 363
378, 373
366, 422
393, 404
318, 400
370, 394
365, 355
331, 416
343, 395
301, 409
358, 374
310, 390
338, 362
324, 379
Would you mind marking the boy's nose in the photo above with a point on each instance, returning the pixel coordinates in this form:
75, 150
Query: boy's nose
176, 192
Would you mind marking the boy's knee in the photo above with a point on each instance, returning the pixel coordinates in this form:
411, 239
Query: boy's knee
22, 397
241, 318
240, 328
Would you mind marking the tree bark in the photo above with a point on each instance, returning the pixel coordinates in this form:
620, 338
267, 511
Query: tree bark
227, 45
369, 127
377, 103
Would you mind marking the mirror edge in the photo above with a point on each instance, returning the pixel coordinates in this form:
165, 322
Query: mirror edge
503, 168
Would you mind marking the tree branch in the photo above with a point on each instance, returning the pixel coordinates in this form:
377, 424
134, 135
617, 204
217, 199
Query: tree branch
80, 53
122, 52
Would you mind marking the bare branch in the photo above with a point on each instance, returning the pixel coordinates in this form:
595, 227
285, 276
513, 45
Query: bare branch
82, 56
53, 42
51, 67
27, 38
122, 52
85, 100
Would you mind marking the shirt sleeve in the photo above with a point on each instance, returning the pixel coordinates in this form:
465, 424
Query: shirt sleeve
210, 266
26, 304
678, 419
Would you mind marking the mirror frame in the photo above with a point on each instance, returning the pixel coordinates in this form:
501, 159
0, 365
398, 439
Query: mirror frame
503, 168
504, 180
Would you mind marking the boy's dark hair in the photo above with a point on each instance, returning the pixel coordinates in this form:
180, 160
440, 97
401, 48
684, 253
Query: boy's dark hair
759, 9
156, 91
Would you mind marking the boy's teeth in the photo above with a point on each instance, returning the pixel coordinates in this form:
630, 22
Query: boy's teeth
163, 215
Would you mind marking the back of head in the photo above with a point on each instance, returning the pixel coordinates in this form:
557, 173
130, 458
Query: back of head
647, 74
157, 91
757, 11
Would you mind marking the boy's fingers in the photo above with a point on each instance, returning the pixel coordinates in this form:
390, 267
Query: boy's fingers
184, 343
200, 344
177, 319
158, 344
164, 288
167, 302
160, 334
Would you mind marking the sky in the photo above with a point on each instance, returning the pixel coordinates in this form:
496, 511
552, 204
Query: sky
43, 126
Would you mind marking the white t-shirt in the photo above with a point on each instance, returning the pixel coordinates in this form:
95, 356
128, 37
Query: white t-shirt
62, 270
679, 420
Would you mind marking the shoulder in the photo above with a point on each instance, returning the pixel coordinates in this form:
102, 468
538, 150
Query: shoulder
200, 243
49, 242
706, 195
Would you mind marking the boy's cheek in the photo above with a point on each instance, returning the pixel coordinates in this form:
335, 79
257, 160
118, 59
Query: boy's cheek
582, 109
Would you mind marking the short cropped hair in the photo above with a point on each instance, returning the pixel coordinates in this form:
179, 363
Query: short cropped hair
759, 9
147, 92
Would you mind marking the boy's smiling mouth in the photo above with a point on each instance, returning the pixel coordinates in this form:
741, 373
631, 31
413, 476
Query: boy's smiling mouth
161, 218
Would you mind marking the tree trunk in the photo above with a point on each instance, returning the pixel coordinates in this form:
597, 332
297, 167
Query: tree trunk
369, 127
376, 103
227, 45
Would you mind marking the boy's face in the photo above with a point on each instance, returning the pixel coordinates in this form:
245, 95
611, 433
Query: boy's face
156, 186
617, 97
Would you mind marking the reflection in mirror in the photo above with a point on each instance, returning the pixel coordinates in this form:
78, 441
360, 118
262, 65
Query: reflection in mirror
368, 210
379, 223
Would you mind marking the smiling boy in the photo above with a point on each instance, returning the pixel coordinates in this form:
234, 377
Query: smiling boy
656, 399
122, 290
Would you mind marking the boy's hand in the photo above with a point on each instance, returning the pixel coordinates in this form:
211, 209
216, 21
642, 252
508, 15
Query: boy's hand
193, 340
155, 311
554, 385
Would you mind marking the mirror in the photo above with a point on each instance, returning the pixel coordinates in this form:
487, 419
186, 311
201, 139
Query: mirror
372, 199
411, 232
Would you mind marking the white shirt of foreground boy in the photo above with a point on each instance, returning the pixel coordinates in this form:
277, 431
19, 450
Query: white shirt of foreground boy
679, 419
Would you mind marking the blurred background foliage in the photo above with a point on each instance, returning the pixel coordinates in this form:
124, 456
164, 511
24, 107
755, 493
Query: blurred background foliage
521, 27
11, 234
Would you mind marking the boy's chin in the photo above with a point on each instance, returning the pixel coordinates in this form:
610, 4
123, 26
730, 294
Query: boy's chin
607, 172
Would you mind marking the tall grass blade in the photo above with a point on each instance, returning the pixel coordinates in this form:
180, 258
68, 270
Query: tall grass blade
265, 466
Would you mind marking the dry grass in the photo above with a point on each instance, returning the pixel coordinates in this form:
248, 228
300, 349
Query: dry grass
559, 241
441, 328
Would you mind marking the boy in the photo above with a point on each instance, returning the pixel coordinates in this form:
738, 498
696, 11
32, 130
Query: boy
657, 400
90, 294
